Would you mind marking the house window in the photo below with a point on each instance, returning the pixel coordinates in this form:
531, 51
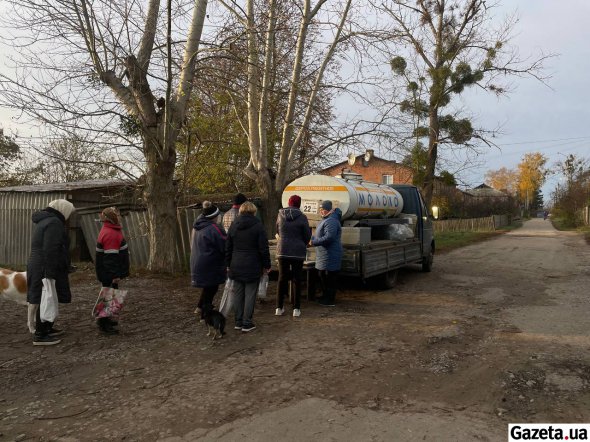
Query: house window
387, 179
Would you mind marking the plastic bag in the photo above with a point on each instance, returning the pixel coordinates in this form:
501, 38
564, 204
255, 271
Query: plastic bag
49, 306
263, 286
399, 232
227, 300
109, 303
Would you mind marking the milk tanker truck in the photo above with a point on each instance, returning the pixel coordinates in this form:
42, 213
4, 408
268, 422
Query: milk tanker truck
384, 227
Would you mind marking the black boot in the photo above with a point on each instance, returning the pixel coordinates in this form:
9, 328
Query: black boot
106, 327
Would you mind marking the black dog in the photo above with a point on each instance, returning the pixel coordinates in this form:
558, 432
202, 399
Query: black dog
214, 320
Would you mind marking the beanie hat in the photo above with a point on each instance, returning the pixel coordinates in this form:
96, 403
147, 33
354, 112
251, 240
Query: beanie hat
239, 199
62, 206
295, 201
111, 214
209, 210
327, 205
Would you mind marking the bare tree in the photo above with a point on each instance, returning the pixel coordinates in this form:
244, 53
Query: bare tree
70, 50
442, 47
275, 157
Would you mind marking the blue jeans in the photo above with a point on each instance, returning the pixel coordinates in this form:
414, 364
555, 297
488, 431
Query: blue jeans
245, 299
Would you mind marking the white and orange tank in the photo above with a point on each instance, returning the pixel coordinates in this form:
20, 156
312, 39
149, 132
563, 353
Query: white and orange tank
355, 197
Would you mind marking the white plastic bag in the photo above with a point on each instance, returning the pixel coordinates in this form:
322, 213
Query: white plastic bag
263, 286
49, 306
227, 300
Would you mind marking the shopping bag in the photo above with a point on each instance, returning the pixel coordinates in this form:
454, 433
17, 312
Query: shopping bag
227, 299
109, 303
263, 286
49, 307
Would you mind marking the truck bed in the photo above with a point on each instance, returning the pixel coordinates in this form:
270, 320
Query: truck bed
371, 259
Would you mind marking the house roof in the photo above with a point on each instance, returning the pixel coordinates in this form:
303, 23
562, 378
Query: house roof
65, 187
360, 158
483, 190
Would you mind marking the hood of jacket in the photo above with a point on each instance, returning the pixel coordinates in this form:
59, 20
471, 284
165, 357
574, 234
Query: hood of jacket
336, 214
110, 225
201, 222
47, 213
245, 221
290, 213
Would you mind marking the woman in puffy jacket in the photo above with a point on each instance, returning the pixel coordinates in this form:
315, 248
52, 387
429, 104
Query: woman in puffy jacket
247, 257
293, 236
49, 259
327, 241
112, 258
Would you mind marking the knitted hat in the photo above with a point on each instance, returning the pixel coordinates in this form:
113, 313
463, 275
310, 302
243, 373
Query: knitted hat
111, 214
295, 201
62, 206
209, 210
239, 199
327, 205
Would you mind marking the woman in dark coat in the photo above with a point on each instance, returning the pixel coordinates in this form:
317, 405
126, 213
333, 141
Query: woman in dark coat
246, 256
49, 259
293, 235
207, 256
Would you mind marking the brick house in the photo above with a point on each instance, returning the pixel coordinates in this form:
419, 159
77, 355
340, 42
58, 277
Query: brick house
373, 168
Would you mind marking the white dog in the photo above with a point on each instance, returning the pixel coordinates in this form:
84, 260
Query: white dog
13, 286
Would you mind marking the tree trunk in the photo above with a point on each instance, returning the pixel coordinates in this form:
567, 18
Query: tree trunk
432, 156
270, 209
160, 198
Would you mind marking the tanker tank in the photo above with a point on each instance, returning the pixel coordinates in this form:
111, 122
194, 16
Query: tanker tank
356, 198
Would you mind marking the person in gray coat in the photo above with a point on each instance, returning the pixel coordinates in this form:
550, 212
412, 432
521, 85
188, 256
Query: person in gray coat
293, 236
49, 259
327, 241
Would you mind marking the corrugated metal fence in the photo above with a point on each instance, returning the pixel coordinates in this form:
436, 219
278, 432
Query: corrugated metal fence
135, 228
16, 228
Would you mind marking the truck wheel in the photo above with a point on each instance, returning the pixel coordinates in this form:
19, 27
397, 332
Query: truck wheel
387, 280
427, 262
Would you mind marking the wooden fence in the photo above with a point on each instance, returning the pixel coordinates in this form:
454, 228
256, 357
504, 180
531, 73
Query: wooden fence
487, 224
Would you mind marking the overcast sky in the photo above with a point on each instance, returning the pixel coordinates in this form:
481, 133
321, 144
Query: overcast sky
535, 118
552, 120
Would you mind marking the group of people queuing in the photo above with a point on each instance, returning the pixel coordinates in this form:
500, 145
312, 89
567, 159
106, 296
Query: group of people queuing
234, 246
237, 248
49, 263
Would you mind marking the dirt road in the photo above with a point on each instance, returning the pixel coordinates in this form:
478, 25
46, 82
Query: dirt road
499, 332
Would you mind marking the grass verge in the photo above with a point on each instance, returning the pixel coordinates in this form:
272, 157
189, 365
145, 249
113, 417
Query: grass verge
447, 241
562, 224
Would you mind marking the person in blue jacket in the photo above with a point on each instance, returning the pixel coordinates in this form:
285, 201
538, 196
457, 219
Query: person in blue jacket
327, 240
207, 256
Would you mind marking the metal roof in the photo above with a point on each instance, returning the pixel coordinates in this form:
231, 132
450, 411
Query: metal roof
66, 187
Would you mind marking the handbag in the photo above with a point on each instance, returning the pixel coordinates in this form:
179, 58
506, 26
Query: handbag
263, 286
227, 299
109, 303
49, 307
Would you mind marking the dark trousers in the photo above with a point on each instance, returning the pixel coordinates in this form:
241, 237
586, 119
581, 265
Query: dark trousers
289, 270
328, 281
41, 328
207, 295
244, 301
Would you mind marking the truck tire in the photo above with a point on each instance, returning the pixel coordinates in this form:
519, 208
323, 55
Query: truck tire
427, 261
386, 280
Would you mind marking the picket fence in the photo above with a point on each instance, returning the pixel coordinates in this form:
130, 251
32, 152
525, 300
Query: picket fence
487, 224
